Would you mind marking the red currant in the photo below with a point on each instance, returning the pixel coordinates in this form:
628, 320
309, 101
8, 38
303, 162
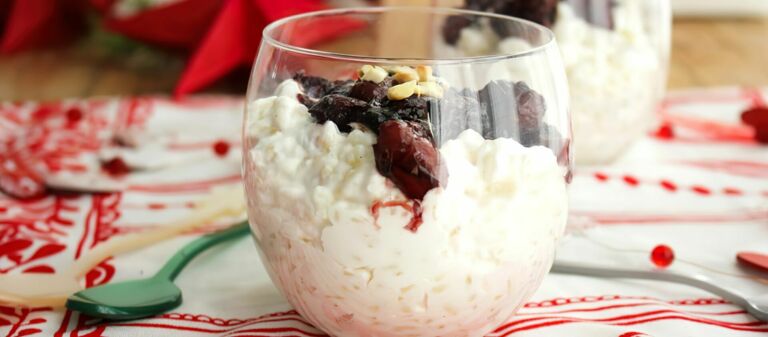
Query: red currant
221, 148
662, 256
757, 118
116, 167
74, 115
665, 131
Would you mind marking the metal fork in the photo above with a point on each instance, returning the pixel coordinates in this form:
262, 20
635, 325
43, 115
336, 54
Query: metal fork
756, 306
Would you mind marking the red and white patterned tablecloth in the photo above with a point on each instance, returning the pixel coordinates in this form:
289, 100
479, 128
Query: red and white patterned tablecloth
703, 191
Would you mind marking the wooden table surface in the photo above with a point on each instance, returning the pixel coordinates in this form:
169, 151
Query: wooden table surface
704, 53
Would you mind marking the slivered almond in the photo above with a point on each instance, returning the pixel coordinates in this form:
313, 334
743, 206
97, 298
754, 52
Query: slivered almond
374, 74
402, 91
404, 74
425, 73
429, 89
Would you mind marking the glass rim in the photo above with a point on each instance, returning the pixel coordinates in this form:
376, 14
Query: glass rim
267, 38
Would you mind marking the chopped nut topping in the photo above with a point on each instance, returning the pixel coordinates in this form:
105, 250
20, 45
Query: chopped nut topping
364, 69
402, 91
425, 73
374, 74
429, 89
405, 74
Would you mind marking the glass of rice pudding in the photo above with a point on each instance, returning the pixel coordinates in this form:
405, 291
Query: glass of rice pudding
615, 52
401, 187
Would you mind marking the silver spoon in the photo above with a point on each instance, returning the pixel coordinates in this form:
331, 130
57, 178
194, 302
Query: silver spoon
756, 306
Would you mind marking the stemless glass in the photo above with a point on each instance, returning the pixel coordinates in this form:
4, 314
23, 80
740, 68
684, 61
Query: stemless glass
397, 186
616, 54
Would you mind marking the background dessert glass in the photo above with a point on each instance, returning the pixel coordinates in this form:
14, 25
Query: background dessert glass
343, 223
616, 54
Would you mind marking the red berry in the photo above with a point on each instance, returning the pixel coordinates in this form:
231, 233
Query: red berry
453, 27
368, 91
74, 115
18, 178
761, 135
755, 115
221, 148
662, 256
314, 87
757, 118
116, 167
665, 131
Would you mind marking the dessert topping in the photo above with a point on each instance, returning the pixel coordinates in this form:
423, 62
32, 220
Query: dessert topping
406, 155
402, 91
425, 73
429, 89
403, 74
400, 114
374, 74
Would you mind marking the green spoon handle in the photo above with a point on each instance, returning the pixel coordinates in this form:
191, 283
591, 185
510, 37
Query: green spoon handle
173, 267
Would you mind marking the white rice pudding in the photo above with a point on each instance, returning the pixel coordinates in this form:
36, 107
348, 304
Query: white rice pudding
614, 78
487, 238
613, 74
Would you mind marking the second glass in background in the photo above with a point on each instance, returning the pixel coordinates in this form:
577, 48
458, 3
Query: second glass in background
616, 54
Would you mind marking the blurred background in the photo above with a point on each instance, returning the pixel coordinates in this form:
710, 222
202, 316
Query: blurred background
80, 48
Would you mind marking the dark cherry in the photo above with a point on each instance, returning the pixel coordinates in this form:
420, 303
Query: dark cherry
314, 87
530, 105
413, 108
374, 116
406, 154
532, 136
341, 110
480, 5
599, 14
540, 11
458, 111
368, 91
527, 103
496, 103
306, 100
453, 26
340, 87
116, 167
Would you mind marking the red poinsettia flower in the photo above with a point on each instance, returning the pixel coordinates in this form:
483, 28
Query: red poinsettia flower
178, 24
35, 23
